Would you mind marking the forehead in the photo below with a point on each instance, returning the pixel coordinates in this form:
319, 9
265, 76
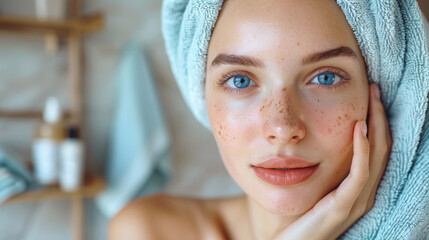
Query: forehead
284, 27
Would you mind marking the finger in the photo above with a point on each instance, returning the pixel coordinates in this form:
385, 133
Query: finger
349, 190
379, 133
379, 139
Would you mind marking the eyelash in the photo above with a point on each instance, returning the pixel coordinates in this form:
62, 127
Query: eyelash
227, 76
343, 75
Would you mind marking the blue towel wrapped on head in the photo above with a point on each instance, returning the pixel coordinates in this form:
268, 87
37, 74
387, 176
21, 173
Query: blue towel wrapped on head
392, 40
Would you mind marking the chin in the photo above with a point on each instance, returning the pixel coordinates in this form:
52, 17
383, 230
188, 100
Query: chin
288, 202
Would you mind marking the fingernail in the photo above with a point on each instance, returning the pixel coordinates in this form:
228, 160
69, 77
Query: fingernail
363, 128
377, 92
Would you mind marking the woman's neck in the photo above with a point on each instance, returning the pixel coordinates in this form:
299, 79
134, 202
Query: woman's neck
265, 224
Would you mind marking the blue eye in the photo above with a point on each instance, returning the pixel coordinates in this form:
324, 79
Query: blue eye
240, 82
326, 78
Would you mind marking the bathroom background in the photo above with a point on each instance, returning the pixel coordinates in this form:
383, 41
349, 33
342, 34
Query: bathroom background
28, 75
130, 38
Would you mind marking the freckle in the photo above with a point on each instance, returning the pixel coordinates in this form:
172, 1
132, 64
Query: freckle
221, 127
318, 100
284, 89
220, 134
233, 138
346, 116
298, 43
281, 111
339, 117
363, 108
283, 58
322, 112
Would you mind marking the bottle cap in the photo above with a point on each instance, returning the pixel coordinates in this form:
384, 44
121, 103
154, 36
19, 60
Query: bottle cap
73, 132
52, 112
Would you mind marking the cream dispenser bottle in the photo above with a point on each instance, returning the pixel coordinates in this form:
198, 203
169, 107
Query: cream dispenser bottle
47, 139
71, 161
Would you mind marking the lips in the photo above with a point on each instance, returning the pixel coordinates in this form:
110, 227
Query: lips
285, 171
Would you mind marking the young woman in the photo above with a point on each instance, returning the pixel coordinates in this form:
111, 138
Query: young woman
290, 107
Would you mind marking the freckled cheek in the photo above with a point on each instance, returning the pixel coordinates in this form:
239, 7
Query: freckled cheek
336, 125
233, 133
230, 126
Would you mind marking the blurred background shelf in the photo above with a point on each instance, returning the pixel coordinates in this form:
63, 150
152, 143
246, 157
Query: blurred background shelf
85, 24
71, 29
92, 185
27, 114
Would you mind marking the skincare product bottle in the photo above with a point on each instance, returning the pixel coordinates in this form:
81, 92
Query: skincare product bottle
48, 136
71, 161
51, 9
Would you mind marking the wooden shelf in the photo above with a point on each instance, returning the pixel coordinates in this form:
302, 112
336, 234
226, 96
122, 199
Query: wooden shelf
92, 186
28, 114
71, 30
85, 24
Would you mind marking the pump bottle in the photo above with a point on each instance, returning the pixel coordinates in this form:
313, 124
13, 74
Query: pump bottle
71, 161
47, 138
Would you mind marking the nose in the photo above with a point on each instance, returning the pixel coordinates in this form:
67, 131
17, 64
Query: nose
282, 124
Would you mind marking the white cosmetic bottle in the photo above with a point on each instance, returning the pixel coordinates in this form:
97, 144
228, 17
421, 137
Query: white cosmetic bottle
47, 138
71, 161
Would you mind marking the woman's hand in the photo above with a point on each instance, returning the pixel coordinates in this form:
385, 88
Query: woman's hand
355, 196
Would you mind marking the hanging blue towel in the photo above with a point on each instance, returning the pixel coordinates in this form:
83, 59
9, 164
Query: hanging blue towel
14, 178
139, 162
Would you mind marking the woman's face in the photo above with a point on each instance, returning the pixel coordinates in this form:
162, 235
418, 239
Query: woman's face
285, 81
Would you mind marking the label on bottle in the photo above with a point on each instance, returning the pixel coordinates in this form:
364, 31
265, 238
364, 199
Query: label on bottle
71, 165
45, 161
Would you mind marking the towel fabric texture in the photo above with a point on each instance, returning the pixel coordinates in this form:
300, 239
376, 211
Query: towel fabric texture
139, 161
392, 40
14, 178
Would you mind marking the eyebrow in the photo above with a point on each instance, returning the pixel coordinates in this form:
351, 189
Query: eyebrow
336, 52
233, 59
244, 60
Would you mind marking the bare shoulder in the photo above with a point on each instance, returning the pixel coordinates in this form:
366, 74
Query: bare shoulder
165, 217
